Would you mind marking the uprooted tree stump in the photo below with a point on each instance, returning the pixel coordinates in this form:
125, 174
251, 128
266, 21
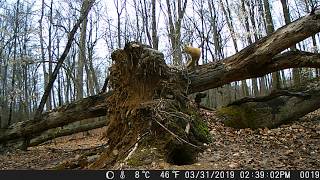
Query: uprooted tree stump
149, 109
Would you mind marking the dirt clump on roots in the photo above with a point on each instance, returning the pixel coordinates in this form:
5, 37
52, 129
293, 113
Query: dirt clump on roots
150, 116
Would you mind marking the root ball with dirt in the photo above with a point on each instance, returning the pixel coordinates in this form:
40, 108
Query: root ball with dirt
148, 108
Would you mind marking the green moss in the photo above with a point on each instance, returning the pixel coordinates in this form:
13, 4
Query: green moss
144, 156
137, 158
239, 117
201, 130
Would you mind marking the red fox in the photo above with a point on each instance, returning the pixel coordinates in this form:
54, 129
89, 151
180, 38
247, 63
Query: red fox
195, 54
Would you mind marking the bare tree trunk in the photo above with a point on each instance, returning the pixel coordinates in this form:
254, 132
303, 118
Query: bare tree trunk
312, 5
82, 52
216, 35
212, 94
46, 77
138, 36
155, 38
15, 62
175, 29
25, 66
295, 72
145, 20
60, 62
246, 22
51, 95
92, 42
270, 29
60, 97
93, 76
119, 12
228, 18
249, 39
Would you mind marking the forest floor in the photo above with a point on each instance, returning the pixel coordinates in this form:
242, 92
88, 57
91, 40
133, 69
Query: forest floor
292, 146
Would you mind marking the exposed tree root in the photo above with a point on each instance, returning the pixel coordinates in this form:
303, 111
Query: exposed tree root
148, 100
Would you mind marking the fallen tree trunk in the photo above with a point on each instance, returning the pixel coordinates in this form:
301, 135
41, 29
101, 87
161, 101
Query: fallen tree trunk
72, 128
270, 111
93, 106
260, 57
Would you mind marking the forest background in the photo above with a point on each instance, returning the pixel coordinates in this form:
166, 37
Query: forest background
33, 35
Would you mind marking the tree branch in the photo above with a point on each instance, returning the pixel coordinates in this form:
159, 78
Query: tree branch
254, 58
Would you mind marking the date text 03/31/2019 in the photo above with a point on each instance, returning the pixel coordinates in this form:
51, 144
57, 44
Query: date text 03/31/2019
215, 174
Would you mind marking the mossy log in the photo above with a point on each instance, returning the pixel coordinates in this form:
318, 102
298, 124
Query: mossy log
149, 107
280, 107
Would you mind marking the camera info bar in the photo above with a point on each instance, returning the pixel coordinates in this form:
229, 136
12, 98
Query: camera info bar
157, 174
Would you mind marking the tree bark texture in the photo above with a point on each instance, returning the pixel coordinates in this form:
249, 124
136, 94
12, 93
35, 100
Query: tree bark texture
270, 111
93, 106
72, 128
250, 61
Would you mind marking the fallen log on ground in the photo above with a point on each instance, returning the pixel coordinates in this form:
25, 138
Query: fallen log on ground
90, 107
280, 107
72, 128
